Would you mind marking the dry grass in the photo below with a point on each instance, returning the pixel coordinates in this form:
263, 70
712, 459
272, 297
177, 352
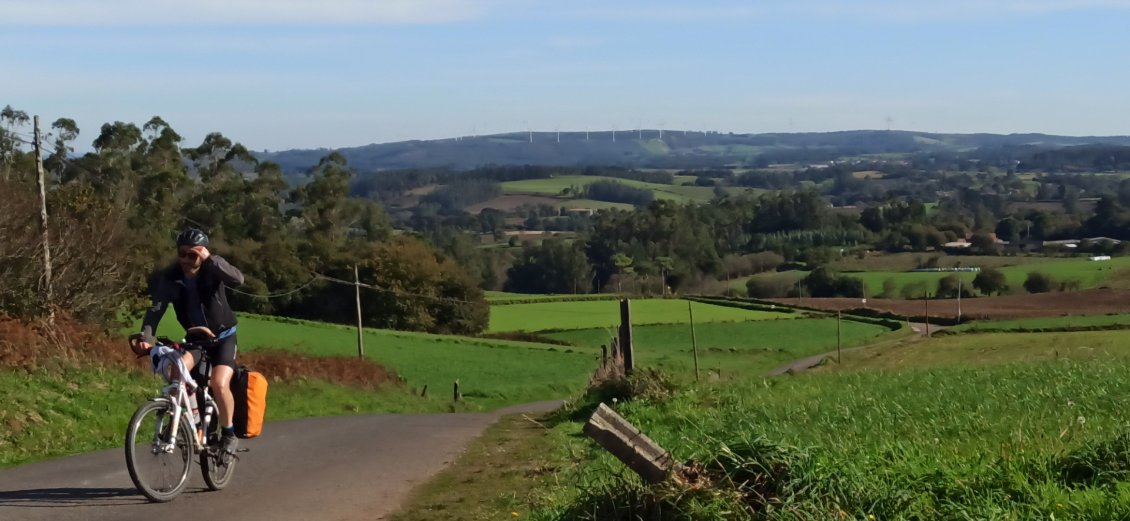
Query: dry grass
30, 345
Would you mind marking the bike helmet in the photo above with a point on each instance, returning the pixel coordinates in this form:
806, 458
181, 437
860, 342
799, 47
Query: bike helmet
192, 237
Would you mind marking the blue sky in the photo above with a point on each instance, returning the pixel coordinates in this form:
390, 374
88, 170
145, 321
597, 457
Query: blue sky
286, 73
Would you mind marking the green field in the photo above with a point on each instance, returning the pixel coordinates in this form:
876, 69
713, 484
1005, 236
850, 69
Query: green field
555, 185
907, 261
491, 373
1048, 323
994, 426
730, 349
606, 314
1089, 274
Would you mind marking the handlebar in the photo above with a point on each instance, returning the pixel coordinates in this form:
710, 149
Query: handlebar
194, 337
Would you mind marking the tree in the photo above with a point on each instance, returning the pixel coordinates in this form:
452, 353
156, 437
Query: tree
824, 282
665, 265
1039, 283
623, 265
950, 285
990, 281
326, 207
890, 288
1008, 229
984, 244
554, 266
10, 120
66, 131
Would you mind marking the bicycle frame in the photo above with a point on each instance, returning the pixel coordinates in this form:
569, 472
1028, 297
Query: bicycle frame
176, 394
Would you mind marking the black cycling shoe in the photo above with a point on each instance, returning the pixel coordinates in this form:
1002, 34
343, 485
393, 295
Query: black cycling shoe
229, 443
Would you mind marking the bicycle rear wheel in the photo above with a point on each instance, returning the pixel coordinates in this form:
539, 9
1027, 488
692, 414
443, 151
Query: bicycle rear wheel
216, 466
158, 470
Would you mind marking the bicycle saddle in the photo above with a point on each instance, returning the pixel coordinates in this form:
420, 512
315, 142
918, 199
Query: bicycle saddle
198, 334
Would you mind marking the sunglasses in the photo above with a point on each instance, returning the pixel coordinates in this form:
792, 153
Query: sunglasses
188, 254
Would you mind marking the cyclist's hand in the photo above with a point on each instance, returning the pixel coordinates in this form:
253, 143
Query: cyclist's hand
139, 346
202, 252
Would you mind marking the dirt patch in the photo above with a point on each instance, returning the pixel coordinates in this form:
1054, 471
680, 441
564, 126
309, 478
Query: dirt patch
32, 345
1089, 302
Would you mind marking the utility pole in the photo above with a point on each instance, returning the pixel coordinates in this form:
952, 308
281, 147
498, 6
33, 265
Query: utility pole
42, 182
927, 300
839, 336
960, 282
357, 294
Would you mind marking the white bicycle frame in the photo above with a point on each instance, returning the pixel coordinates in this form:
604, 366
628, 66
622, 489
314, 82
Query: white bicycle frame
176, 394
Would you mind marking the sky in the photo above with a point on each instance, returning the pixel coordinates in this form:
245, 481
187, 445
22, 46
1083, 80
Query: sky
280, 74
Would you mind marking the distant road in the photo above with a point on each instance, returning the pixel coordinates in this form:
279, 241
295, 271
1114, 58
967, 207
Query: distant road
342, 468
804, 364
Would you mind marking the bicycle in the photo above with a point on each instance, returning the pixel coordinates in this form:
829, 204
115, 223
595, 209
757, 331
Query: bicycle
168, 430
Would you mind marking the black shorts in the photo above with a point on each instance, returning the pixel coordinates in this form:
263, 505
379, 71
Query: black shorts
221, 352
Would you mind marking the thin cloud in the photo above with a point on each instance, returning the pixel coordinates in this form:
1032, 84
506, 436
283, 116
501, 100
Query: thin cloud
242, 12
932, 10
666, 11
117, 13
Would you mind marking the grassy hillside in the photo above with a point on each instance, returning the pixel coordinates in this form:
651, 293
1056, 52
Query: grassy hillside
491, 373
556, 185
731, 350
543, 316
966, 427
678, 148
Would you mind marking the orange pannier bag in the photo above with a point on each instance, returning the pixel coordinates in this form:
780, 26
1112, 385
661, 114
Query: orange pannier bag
249, 388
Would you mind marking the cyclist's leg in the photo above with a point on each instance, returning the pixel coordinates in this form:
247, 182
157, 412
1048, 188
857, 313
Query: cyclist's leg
190, 359
222, 356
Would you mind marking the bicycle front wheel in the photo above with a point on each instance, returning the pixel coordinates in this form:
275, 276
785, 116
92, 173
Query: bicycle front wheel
157, 465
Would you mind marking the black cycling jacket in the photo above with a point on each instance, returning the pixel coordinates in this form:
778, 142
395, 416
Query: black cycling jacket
167, 286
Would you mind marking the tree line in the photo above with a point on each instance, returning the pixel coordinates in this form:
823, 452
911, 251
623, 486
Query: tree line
114, 212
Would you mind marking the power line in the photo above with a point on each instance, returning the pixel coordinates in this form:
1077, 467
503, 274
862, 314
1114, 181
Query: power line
396, 292
277, 295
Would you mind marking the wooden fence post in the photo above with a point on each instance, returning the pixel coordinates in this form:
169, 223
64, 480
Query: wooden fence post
629, 445
626, 336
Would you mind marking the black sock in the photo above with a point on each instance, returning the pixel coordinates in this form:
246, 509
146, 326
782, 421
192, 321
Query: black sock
229, 430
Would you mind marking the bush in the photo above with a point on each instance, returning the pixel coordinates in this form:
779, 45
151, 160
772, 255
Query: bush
990, 281
768, 288
824, 282
1039, 283
890, 288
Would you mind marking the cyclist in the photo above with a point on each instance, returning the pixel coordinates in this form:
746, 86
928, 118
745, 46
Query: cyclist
194, 285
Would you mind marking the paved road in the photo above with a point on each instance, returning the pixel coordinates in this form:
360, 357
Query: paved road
343, 468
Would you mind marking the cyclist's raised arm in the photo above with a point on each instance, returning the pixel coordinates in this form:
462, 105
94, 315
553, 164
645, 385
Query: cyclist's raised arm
152, 318
162, 294
227, 273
